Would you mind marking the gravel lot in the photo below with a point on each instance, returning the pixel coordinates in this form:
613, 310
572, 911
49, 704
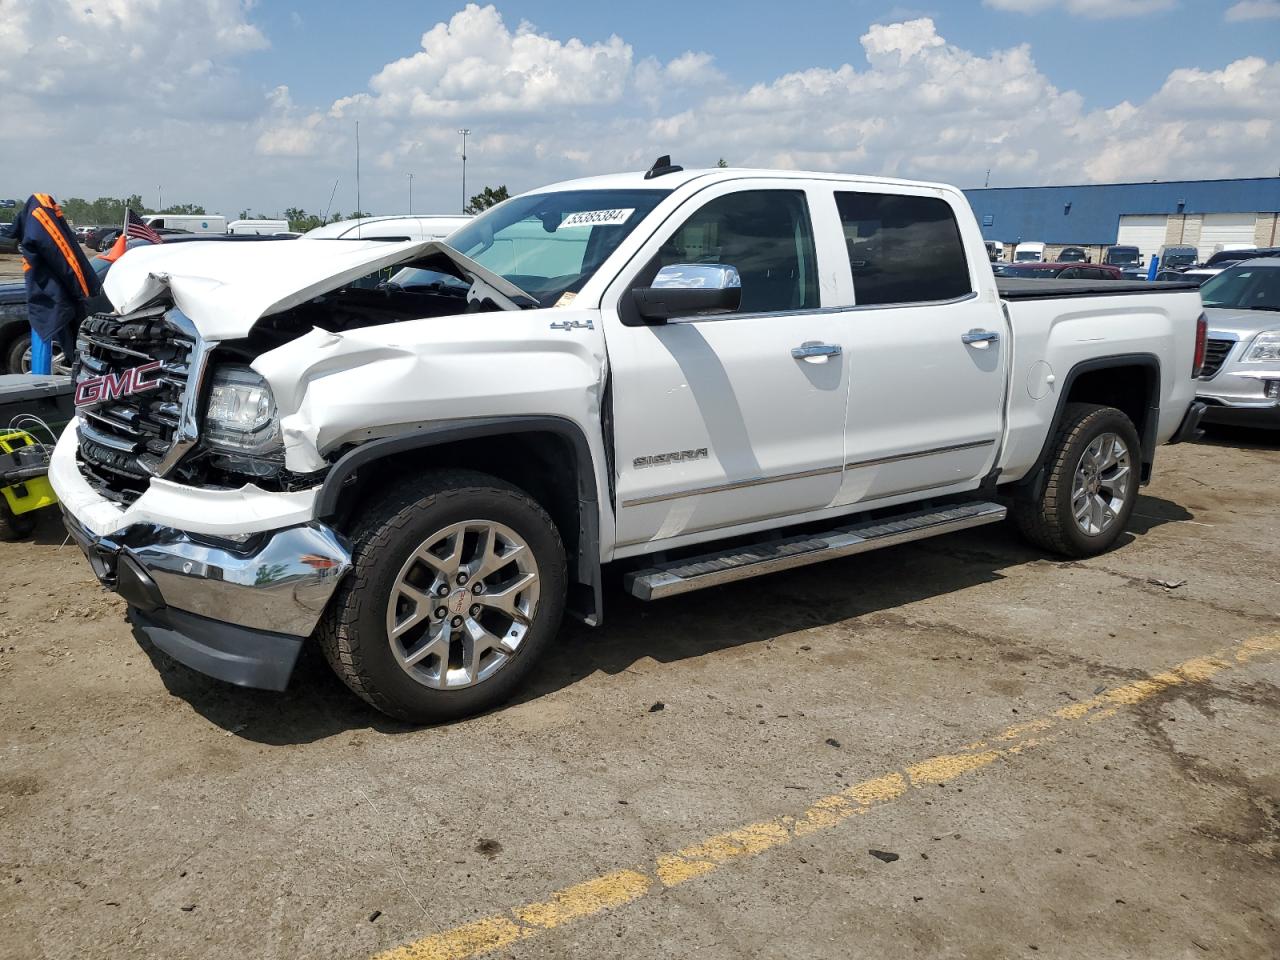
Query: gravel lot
709, 774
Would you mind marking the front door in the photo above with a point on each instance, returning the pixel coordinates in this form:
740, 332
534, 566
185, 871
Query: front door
730, 419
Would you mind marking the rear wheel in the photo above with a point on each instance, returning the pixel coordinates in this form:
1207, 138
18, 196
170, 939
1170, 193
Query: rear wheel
1092, 483
18, 357
458, 585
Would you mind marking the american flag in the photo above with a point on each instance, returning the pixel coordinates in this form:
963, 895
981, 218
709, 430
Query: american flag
135, 228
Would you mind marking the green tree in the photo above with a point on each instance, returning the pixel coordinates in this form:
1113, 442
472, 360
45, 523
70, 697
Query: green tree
185, 209
721, 162
486, 198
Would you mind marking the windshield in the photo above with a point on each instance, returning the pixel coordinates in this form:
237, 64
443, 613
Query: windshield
549, 244
1120, 256
1244, 288
1023, 256
1176, 258
1071, 255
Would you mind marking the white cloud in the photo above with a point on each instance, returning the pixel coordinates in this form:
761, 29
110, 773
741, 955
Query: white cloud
1097, 9
544, 108
474, 64
1253, 10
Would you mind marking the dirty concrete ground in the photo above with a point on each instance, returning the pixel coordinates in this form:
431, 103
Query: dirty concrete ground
148, 812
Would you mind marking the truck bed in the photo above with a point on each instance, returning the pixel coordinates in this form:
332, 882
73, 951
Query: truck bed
1022, 288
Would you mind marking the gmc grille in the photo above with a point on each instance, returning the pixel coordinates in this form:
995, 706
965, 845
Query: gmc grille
125, 441
1215, 354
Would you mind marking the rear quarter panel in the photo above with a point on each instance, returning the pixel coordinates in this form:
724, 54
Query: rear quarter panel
1052, 336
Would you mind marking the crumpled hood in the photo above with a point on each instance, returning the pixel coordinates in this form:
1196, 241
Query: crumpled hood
225, 288
1242, 323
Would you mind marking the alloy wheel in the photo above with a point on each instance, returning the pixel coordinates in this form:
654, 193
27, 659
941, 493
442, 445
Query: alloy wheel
462, 604
1101, 484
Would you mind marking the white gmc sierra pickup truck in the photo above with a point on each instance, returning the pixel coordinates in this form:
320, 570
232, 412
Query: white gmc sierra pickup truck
694, 376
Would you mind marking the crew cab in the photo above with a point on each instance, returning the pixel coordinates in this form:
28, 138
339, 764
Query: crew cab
692, 376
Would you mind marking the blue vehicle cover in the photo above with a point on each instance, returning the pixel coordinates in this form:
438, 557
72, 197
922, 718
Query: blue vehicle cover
57, 273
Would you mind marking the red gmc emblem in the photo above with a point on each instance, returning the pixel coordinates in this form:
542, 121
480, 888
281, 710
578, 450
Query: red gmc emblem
112, 386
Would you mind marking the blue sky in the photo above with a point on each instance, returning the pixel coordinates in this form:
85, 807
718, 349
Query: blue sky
1126, 57
238, 104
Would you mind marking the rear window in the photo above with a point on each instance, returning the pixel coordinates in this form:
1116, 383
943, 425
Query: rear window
902, 249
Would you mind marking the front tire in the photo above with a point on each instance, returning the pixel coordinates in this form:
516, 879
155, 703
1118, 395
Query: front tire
1092, 485
458, 585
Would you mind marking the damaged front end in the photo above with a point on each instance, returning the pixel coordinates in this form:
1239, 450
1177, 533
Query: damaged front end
167, 388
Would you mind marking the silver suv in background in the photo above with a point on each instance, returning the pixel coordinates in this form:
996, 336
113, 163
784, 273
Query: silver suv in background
1240, 382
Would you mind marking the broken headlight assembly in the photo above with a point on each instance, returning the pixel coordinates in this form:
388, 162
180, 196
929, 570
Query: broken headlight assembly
241, 427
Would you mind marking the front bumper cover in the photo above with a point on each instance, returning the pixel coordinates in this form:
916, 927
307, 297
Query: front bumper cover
237, 612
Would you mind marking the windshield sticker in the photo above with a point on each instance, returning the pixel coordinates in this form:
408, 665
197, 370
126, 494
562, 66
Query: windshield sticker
566, 298
598, 218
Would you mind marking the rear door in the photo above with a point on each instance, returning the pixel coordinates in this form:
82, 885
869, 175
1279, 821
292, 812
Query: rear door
927, 355
738, 418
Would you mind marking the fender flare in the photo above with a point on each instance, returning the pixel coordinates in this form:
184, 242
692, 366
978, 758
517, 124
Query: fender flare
1033, 485
420, 436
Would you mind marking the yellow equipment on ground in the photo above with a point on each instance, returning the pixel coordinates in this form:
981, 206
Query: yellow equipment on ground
24, 484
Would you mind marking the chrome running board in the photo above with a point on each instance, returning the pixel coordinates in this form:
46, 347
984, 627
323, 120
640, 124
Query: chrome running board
713, 569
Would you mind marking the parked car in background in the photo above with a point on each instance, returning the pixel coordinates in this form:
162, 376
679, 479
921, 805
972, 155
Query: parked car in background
1061, 271
1240, 381
1029, 252
1073, 255
1133, 273
1198, 274
102, 241
1229, 258
1123, 257
995, 250
1178, 258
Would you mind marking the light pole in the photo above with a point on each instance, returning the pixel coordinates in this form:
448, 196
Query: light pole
411, 194
159, 199
465, 133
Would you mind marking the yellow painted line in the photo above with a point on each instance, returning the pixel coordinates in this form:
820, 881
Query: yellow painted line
603, 893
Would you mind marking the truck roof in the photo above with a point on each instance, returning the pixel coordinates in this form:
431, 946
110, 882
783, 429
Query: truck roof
635, 180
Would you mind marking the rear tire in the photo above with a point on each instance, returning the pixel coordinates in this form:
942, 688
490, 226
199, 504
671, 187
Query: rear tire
1094, 468
424, 548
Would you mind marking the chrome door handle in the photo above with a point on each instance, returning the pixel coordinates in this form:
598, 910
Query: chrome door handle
816, 350
979, 336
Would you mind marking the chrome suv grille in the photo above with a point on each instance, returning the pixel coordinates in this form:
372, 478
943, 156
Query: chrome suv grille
131, 425
1215, 354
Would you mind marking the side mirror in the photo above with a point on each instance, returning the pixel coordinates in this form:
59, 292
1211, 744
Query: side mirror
688, 289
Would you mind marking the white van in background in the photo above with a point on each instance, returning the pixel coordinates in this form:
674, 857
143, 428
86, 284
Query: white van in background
263, 227
201, 223
1030, 252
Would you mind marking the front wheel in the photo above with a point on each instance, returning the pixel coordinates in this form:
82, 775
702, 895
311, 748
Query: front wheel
1092, 485
458, 584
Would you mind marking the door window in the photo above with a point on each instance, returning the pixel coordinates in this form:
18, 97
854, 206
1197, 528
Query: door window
902, 249
764, 234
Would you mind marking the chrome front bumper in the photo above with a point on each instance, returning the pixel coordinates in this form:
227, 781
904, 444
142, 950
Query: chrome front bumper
238, 612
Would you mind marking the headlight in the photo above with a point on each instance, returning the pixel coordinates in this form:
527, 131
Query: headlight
1264, 349
241, 417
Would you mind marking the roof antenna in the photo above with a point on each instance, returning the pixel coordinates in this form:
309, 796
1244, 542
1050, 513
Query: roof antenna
325, 219
661, 167
357, 179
